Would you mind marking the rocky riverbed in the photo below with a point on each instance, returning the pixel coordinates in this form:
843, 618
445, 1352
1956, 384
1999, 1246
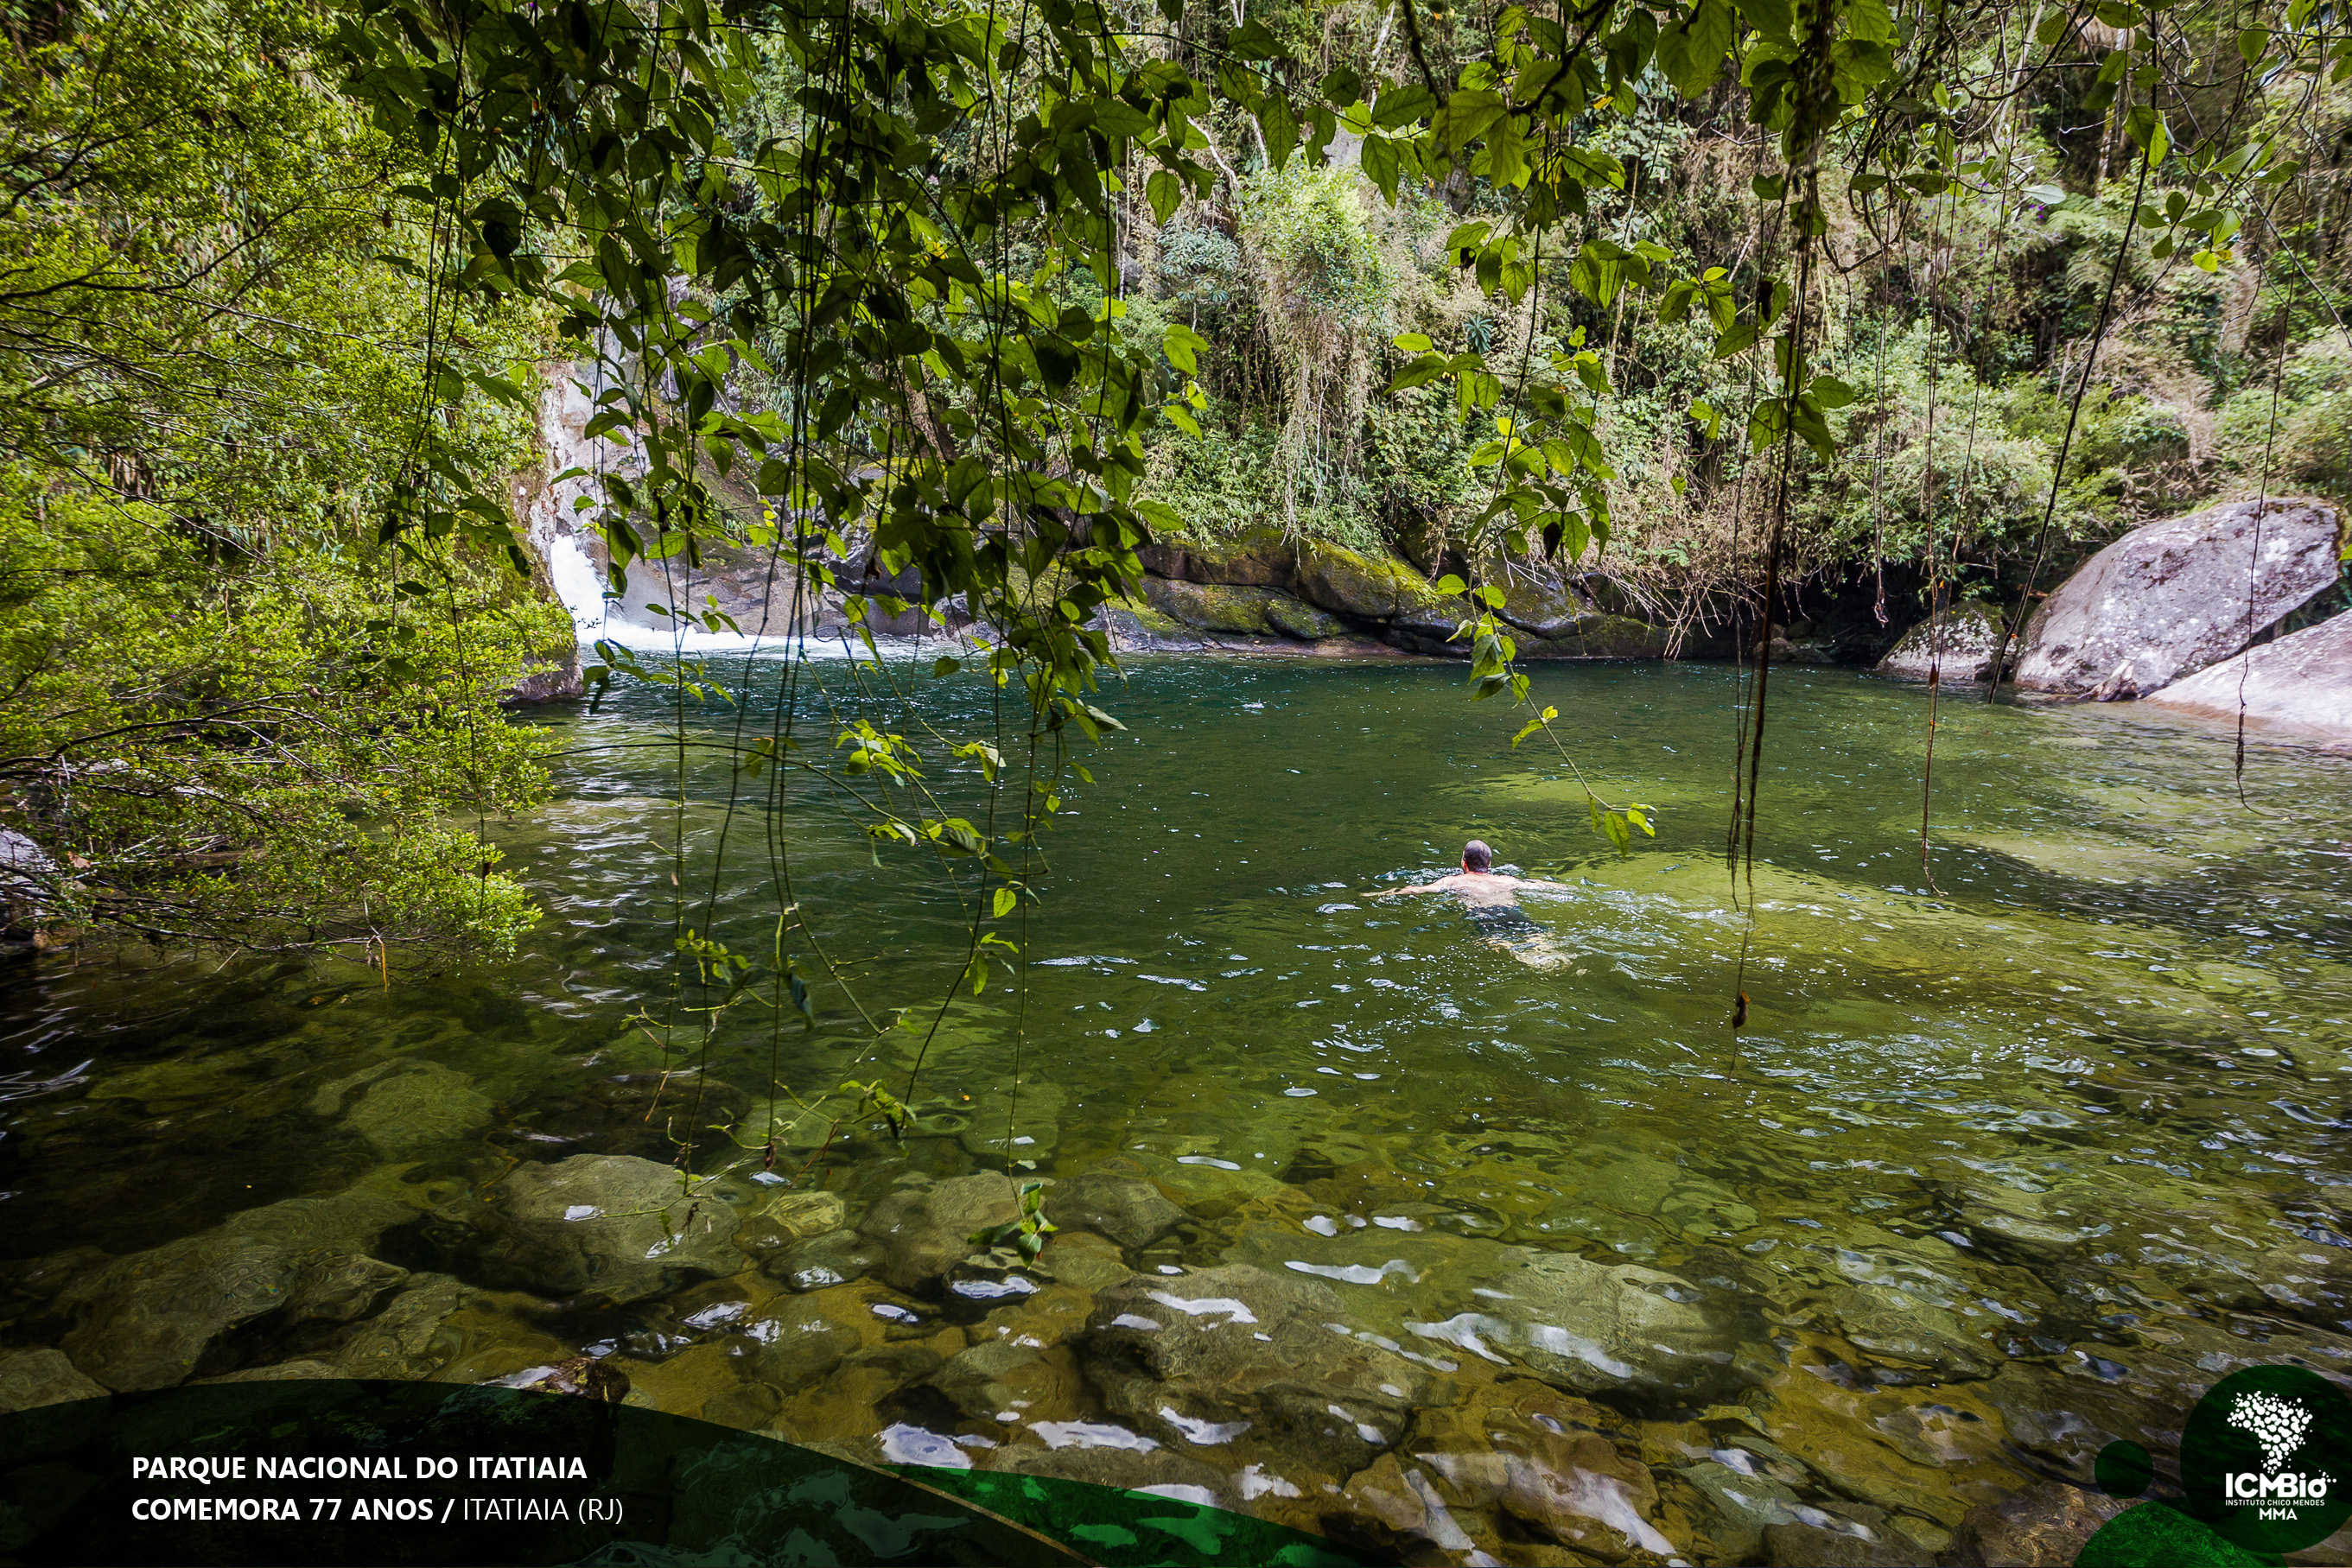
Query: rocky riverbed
1337, 1347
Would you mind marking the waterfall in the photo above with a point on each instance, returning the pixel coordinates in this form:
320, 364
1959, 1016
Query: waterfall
546, 511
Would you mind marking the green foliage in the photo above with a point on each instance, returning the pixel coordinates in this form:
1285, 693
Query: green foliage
1026, 1234
227, 714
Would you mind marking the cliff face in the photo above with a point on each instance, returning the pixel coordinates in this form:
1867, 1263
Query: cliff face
1266, 590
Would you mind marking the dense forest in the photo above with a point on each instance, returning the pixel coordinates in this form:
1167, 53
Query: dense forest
1708, 303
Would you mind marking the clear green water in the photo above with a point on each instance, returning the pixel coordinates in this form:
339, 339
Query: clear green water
1991, 1176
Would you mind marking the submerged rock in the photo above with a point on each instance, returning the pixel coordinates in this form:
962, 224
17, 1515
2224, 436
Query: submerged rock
1810, 1546
1394, 1508
409, 1339
1594, 1328
340, 1287
1131, 1212
801, 1215
304, 1371
2301, 683
1142, 1467
1525, 1448
926, 1232
586, 1377
153, 1315
822, 1261
1208, 1359
1744, 1505
405, 1113
611, 1226
2045, 1524
997, 1121
43, 1376
1014, 1384
1897, 1331
2166, 600
1957, 646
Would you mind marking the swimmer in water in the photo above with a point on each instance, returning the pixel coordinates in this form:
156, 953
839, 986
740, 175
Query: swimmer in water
1492, 903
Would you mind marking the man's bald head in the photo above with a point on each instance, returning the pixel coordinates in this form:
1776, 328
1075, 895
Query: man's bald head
1476, 856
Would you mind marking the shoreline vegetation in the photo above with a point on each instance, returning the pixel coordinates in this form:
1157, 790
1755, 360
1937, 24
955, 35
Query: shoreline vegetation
1642, 347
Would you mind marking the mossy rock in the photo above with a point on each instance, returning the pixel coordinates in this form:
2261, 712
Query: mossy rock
1541, 606
1211, 607
1256, 558
1303, 621
1375, 588
1958, 644
1597, 636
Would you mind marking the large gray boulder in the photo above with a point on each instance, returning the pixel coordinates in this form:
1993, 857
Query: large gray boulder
2168, 599
2300, 682
1958, 644
609, 1226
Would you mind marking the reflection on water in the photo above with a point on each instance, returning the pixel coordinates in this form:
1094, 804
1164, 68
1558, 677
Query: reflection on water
1368, 1223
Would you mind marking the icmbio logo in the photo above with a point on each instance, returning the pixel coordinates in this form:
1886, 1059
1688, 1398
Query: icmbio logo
2258, 1458
2279, 1426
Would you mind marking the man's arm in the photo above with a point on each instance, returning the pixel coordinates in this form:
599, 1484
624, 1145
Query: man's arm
1440, 885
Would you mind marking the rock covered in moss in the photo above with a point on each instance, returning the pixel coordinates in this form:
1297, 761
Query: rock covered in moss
1256, 558
1368, 588
1957, 643
1595, 635
1541, 604
1213, 607
1302, 622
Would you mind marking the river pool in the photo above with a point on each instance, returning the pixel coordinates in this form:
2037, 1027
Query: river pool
1373, 1226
